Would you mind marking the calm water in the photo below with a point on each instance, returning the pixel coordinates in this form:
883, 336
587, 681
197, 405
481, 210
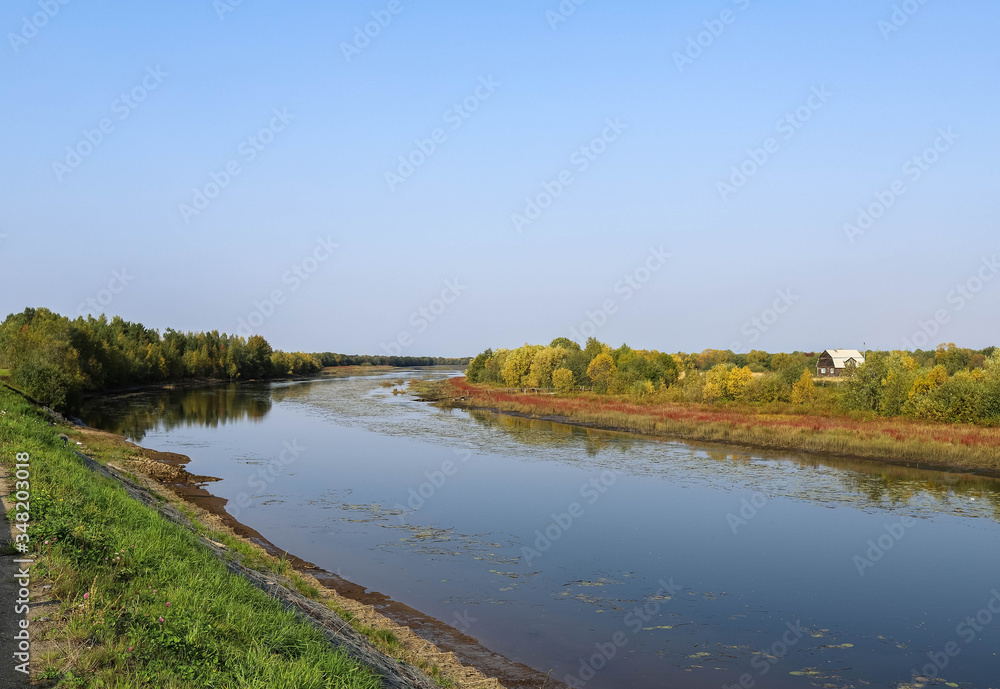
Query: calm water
619, 561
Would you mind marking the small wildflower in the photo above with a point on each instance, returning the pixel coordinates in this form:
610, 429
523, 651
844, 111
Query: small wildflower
161, 619
168, 604
86, 596
129, 649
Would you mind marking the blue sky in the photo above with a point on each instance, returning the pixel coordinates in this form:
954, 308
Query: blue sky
514, 104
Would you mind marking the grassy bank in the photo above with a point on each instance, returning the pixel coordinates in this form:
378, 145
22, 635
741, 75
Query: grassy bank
139, 602
773, 426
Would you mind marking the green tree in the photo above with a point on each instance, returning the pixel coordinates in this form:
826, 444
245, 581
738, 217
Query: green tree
477, 367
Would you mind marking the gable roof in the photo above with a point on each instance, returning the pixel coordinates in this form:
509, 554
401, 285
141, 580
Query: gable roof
842, 356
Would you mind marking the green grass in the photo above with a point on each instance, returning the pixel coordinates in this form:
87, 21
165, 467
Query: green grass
218, 631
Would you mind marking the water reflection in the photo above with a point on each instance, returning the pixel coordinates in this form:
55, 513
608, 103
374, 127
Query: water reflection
873, 484
135, 415
540, 432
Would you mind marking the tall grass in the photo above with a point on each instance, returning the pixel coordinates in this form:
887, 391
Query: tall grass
143, 604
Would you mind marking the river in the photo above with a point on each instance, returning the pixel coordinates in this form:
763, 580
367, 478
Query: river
609, 559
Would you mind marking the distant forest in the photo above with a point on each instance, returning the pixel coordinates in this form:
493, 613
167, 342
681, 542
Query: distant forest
56, 360
331, 359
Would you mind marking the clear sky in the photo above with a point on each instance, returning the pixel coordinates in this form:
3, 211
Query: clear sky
628, 121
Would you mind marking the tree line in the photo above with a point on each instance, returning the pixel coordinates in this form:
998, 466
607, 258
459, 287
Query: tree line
950, 384
55, 359
564, 364
331, 359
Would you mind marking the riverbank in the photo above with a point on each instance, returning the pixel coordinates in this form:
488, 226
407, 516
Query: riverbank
141, 588
934, 445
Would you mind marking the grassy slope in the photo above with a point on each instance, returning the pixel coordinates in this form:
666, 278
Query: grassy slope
951, 445
218, 631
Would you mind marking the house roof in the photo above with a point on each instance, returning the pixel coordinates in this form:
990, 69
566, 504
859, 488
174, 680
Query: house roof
842, 356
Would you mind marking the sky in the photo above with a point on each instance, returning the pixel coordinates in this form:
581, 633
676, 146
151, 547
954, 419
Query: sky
419, 178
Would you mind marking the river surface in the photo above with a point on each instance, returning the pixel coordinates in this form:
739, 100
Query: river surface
609, 559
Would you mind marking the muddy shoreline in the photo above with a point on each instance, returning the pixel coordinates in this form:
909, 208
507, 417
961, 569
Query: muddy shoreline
190, 487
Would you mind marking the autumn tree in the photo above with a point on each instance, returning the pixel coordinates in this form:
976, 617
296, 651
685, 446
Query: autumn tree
562, 379
518, 365
716, 383
737, 382
602, 371
804, 389
545, 361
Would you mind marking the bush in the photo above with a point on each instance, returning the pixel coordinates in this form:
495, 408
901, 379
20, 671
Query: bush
48, 383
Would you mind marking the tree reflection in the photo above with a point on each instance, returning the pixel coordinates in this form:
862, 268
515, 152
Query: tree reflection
134, 415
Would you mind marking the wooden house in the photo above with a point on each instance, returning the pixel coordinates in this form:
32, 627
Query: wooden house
835, 362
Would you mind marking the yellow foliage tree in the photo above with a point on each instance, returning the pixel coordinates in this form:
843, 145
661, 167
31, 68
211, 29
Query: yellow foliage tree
931, 380
804, 390
562, 379
602, 370
716, 383
545, 361
518, 364
737, 382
